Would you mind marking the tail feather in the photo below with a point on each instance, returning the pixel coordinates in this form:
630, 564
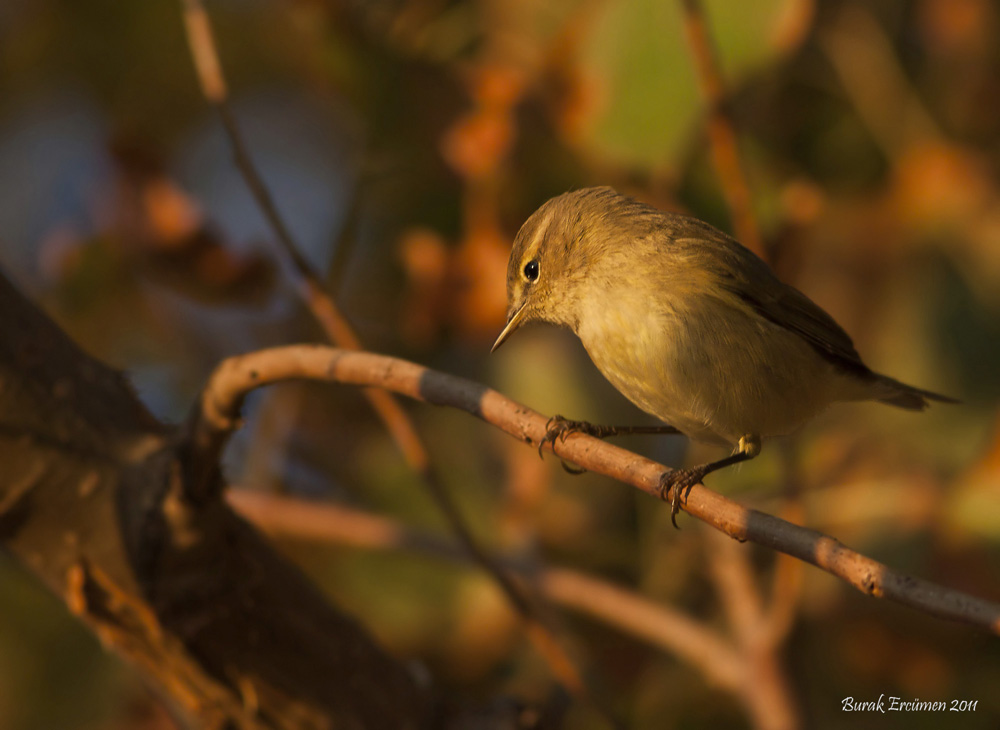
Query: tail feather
906, 396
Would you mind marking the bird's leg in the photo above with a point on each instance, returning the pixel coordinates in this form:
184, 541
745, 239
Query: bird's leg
678, 482
559, 428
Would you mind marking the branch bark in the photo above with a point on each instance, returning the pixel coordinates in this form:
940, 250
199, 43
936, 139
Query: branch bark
230, 633
237, 376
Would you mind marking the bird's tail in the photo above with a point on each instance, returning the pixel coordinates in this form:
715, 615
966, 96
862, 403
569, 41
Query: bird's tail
901, 395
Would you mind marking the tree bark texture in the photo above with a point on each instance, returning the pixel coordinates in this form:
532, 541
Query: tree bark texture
92, 502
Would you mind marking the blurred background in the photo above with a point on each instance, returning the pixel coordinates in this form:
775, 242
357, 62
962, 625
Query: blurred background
405, 141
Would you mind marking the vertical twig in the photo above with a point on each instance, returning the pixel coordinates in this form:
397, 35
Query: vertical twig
758, 632
786, 585
765, 692
313, 293
721, 132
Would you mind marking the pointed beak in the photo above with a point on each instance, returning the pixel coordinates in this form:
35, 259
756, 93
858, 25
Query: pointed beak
513, 322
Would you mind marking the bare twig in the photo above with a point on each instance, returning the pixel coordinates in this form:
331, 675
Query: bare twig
786, 586
721, 133
237, 376
323, 307
749, 675
766, 692
651, 622
733, 576
760, 628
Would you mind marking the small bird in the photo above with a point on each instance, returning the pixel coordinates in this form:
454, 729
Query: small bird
686, 323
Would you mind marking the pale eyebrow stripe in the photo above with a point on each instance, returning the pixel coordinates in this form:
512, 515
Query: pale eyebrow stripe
540, 229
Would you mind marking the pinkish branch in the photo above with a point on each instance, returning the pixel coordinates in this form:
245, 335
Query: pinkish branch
237, 376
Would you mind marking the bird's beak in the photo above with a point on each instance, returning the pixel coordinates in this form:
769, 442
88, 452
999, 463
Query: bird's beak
513, 322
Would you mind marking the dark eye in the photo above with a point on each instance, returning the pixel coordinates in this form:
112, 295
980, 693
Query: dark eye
531, 270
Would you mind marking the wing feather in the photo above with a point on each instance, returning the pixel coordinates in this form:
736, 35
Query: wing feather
744, 275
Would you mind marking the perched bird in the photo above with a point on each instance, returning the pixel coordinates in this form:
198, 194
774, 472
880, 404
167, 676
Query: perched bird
687, 324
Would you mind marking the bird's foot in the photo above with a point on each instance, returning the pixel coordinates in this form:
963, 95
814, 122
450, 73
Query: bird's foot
558, 428
675, 485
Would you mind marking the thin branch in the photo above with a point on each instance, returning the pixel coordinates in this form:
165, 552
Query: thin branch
651, 622
766, 692
749, 673
237, 376
786, 585
721, 132
323, 307
733, 577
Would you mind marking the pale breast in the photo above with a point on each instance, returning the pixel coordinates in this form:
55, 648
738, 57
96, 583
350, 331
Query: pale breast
714, 369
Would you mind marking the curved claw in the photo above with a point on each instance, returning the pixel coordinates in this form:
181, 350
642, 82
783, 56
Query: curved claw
551, 434
559, 428
574, 470
677, 484
675, 507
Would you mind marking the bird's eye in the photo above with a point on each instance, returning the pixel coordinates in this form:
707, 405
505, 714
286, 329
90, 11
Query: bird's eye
531, 270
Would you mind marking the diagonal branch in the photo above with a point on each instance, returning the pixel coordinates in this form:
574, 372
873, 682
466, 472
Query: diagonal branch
321, 304
236, 377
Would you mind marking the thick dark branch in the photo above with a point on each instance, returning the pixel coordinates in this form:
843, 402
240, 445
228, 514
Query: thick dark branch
222, 626
235, 377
